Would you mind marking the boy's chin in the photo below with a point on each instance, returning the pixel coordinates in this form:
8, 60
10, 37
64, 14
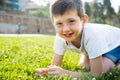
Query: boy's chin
69, 40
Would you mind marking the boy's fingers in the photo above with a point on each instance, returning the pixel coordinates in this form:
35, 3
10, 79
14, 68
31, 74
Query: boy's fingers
39, 71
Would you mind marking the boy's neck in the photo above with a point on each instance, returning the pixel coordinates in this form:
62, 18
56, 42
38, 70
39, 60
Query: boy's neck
76, 43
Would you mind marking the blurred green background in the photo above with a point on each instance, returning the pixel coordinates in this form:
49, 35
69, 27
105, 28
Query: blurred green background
35, 19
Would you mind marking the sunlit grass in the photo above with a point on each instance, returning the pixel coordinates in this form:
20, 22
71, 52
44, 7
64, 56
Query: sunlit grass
21, 56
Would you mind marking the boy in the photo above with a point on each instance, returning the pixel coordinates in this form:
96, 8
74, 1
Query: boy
100, 44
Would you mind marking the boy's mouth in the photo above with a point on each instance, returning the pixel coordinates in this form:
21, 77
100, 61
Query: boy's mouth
68, 35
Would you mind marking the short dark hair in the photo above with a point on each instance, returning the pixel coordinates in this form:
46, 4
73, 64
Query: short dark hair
59, 7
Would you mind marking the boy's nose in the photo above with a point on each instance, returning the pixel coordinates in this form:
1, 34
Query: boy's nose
66, 28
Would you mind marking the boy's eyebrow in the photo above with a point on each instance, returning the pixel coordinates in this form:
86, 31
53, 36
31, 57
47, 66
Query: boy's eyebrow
70, 19
66, 20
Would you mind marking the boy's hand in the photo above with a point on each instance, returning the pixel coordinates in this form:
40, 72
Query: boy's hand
41, 72
55, 70
51, 70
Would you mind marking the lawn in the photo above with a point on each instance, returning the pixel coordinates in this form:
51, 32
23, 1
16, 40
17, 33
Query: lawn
20, 56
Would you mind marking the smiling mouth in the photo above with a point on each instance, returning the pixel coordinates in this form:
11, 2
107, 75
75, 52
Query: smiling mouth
68, 35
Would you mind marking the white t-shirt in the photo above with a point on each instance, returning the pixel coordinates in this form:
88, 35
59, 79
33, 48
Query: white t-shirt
97, 39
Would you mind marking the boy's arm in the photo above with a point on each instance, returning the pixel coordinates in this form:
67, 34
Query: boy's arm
96, 66
57, 59
58, 71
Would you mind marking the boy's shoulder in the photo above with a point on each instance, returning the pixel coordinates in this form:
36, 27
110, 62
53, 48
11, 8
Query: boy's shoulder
99, 27
93, 27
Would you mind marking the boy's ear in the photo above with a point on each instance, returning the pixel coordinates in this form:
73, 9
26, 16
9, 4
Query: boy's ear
85, 19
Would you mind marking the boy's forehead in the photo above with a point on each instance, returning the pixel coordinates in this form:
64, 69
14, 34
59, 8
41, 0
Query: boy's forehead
66, 13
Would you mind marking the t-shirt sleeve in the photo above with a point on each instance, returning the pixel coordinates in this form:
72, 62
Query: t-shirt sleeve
59, 45
96, 45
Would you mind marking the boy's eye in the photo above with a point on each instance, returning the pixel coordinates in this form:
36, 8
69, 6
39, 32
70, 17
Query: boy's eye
59, 24
71, 21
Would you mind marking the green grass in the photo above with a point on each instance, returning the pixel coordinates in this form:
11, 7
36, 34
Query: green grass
21, 56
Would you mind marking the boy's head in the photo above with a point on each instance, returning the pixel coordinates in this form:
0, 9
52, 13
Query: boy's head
59, 7
69, 19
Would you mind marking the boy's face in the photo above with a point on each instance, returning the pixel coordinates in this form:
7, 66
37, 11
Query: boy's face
69, 25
